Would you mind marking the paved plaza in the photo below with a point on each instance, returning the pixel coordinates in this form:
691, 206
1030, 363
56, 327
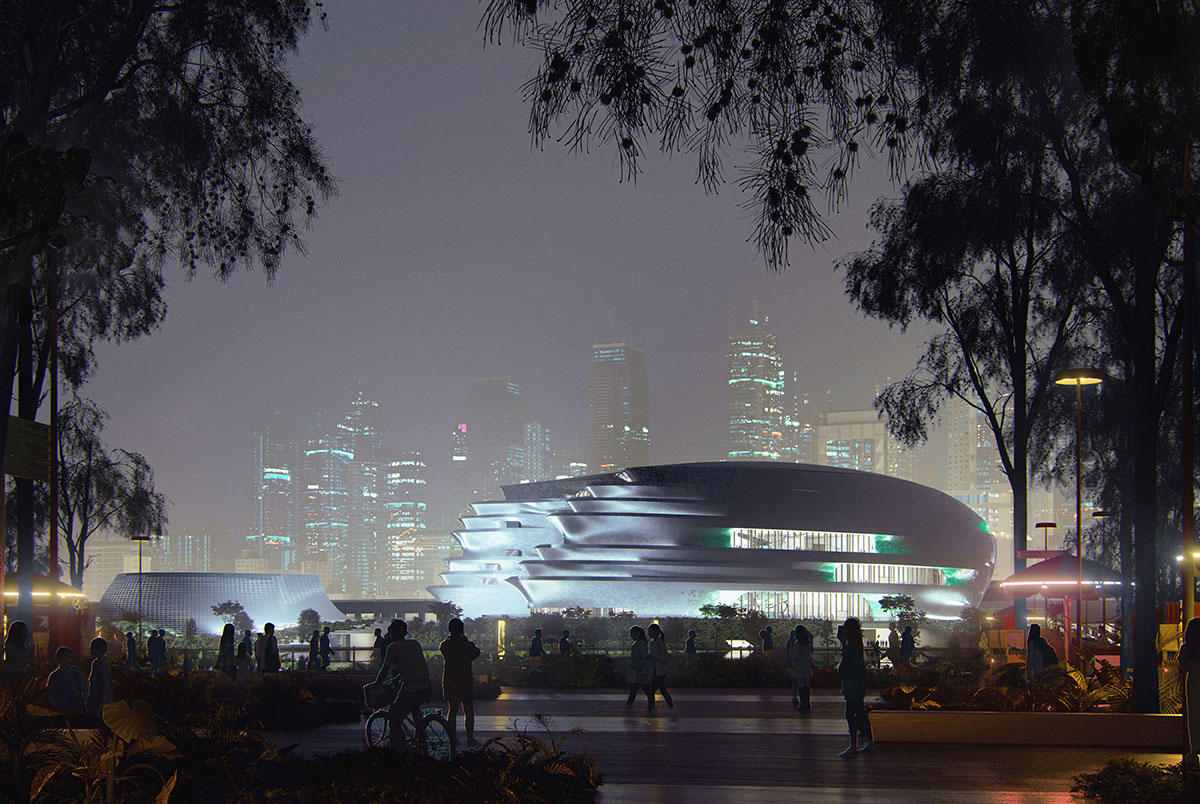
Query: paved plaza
750, 746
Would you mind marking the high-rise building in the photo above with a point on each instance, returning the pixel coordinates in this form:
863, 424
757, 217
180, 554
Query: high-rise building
494, 415
325, 512
974, 476
799, 424
536, 453
756, 397
859, 439
272, 522
360, 431
567, 463
462, 494
196, 549
618, 408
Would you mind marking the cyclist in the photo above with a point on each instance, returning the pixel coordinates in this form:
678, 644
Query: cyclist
404, 663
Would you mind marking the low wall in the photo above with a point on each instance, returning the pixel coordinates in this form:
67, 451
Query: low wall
1081, 729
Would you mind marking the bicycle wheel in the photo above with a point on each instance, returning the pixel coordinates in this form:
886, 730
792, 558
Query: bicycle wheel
377, 729
439, 742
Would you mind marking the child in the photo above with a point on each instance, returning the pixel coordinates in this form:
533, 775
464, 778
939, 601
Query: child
245, 666
99, 690
65, 687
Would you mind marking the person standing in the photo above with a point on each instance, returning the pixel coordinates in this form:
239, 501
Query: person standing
16, 645
908, 644
405, 664
244, 664
689, 647
314, 652
768, 640
225, 658
799, 652
641, 669
266, 650
377, 649
99, 691
1189, 665
852, 670
132, 664
326, 650
660, 659
564, 644
65, 687
457, 682
1035, 652
248, 641
156, 650
536, 648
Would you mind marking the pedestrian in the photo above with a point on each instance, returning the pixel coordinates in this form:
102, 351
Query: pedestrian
244, 664
226, 662
65, 686
248, 641
799, 652
377, 649
314, 652
908, 644
689, 647
16, 646
564, 644
326, 650
1189, 665
768, 639
99, 691
405, 664
1035, 652
457, 682
893, 649
156, 650
660, 659
641, 669
266, 650
535, 646
852, 670
131, 654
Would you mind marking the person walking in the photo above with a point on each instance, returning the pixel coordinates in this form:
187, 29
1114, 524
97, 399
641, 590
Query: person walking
458, 685
99, 691
226, 662
768, 640
564, 644
326, 650
314, 652
536, 648
689, 647
852, 670
1189, 665
641, 669
660, 659
908, 644
405, 664
799, 652
377, 649
132, 664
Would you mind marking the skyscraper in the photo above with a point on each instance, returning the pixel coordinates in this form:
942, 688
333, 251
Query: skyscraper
494, 418
974, 476
618, 408
859, 439
405, 501
361, 432
461, 492
755, 396
272, 522
537, 453
799, 424
325, 506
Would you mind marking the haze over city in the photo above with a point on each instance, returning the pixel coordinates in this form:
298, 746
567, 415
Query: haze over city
455, 251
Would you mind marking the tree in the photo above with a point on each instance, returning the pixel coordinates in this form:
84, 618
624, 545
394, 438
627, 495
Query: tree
308, 621
228, 611
100, 488
904, 612
576, 613
443, 611
242, 622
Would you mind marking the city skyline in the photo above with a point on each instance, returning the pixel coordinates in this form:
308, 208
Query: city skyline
425, 272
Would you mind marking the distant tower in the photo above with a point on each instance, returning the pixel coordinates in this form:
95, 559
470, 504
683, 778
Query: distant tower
272, 521
494, 415
799, 420
975, 476
755, 396
618, 408
537, 453
361, 432
462, 495
406, 507
325, 507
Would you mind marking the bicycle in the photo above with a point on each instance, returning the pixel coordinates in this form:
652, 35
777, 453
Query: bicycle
439, 742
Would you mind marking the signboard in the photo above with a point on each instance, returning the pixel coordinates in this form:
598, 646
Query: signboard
27, 452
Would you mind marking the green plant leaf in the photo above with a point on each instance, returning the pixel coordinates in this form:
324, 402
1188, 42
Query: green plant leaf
131, 722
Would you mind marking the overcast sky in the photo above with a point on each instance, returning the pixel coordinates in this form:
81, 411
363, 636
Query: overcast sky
456, 251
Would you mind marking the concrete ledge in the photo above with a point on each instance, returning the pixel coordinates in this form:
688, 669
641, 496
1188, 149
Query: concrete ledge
1077, 729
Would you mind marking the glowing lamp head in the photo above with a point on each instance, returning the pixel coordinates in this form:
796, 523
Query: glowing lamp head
1079, 376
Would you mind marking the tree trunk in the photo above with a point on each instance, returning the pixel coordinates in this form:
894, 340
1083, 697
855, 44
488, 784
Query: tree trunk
26, 409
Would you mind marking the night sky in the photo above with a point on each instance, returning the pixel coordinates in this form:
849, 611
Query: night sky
456, 251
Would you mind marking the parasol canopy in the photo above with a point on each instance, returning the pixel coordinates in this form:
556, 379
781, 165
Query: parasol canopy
1059, 577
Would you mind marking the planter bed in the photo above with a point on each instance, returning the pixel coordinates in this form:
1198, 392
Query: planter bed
1080, 729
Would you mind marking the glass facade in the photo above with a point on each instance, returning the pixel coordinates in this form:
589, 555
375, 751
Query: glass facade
756, 396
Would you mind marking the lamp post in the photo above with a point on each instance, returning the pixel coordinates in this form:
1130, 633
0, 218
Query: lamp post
1046, 527
1079, 377
139, 540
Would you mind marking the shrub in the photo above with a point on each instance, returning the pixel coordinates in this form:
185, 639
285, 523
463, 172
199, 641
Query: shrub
1127, 781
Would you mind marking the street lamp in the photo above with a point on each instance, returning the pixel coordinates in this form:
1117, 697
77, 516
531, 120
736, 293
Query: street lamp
1079, 377
1046, 528
139, 540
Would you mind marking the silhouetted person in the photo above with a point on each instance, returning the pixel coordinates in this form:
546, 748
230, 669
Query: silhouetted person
852, 670
1035, 652
377, 649
16, 645
660, 659
248, 641
404, 664
893, 648
768, 639
535, 646
131, 653
244, 664
1189, 665
326, 650
799, 652
225, 656
65, 687
266, 650
689, 647
458, 684
641, 667
314, 652
156, 650
99, 691
908, 644
564, 644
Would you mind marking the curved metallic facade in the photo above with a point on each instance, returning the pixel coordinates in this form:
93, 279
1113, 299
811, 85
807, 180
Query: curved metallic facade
793, 540
170, 599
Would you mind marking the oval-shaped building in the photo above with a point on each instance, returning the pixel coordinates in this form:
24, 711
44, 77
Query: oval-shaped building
792, 540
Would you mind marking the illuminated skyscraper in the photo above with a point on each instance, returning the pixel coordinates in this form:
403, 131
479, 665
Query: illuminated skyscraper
494, 417
536, 465
461, 494
755, 396
859, 439
325, 506
272, 522
799, 424
974, 476
618, 408
360, 432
